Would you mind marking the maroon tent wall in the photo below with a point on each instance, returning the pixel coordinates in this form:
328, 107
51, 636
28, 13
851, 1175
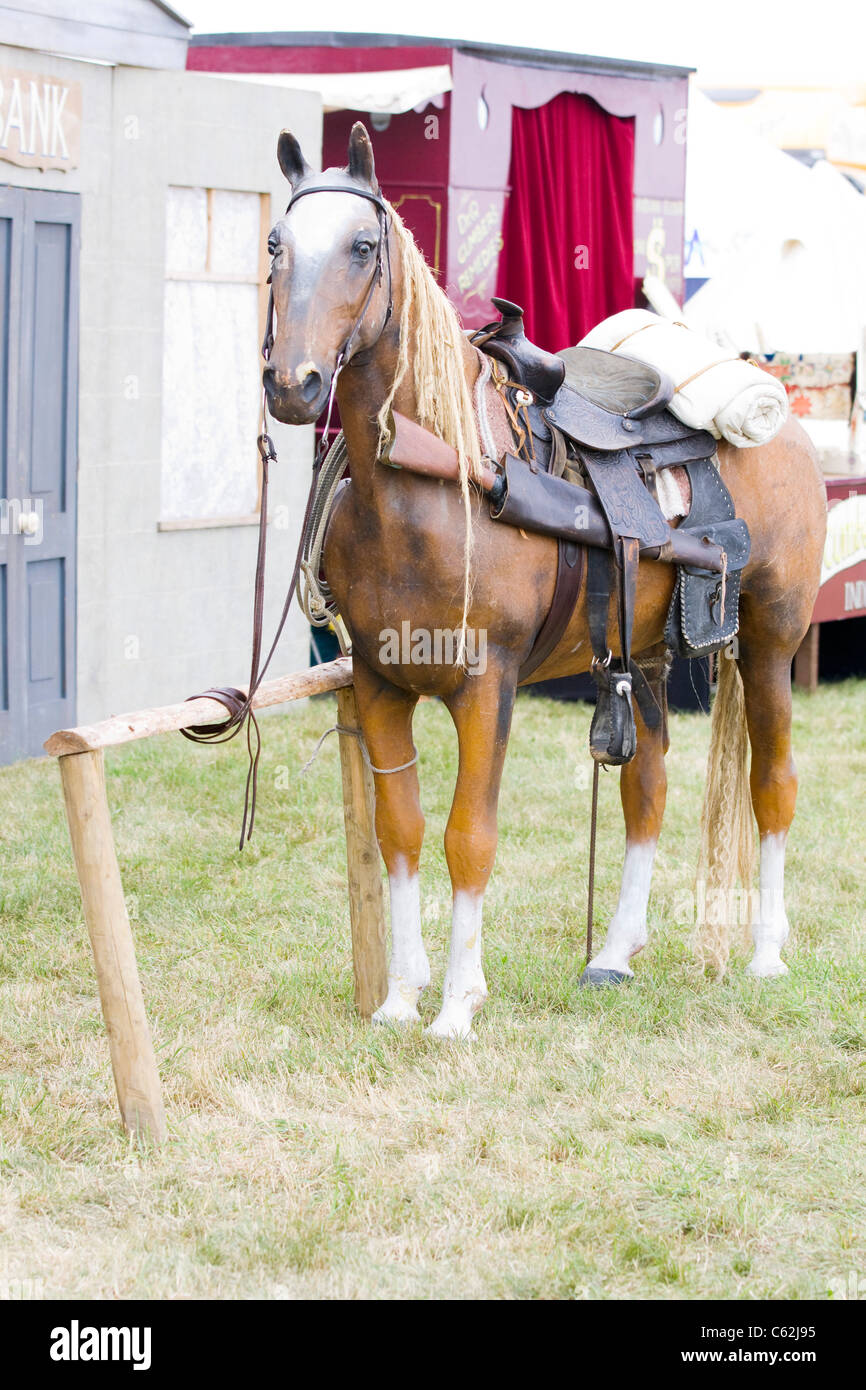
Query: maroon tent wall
412, 167
489, 91
567, 255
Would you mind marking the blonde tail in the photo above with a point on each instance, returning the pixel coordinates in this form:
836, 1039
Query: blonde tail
727, 827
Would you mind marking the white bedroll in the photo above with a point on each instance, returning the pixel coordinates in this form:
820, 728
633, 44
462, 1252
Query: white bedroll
729, 396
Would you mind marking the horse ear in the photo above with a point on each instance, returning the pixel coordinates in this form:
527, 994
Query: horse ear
361, 165
291, 160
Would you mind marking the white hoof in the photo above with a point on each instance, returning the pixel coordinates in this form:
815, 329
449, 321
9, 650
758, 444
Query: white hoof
396, 1018
399, 1009
766, 967
451, 1025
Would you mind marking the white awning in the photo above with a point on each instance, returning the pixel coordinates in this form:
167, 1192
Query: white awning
383, 93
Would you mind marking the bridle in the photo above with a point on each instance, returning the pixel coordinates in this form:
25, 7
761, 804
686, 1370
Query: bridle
338, 181
239, 704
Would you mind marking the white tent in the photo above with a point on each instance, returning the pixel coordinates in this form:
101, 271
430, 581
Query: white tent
784, 245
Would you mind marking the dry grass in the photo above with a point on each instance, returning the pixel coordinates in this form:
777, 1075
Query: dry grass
679, 1138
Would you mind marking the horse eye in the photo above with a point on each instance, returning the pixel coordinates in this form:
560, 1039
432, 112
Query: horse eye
364, 249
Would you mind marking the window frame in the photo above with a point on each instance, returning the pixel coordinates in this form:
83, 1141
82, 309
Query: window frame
217, 277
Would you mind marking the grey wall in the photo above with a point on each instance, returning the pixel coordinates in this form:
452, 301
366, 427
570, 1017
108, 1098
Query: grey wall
161, 615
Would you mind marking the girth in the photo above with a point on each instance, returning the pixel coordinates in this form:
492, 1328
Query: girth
570, 562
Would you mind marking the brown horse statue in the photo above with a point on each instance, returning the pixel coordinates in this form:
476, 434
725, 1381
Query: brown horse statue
354, 299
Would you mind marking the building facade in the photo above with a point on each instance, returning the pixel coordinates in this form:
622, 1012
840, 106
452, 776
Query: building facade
135, 201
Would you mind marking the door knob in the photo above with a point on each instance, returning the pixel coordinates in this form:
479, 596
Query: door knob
28, 523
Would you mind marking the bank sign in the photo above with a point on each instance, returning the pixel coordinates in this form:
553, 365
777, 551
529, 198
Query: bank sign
40, 120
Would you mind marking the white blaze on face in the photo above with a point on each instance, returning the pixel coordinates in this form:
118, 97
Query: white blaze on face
465, 988
627, 933
769, 920
408, 969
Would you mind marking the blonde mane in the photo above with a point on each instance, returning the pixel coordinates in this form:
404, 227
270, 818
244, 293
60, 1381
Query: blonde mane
443, 398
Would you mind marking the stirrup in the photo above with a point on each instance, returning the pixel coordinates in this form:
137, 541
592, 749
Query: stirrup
612, 733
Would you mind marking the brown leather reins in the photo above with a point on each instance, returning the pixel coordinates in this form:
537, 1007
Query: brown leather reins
239, 704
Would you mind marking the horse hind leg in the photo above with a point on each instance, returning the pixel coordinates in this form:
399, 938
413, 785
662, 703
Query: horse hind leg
773, 783
776, 609
780, 491
643, 790
754, 696
386, 719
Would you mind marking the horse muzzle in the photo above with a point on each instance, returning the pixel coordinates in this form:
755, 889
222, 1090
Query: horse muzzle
297, 397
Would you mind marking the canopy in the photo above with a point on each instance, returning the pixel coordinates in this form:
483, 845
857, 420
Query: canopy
381, 93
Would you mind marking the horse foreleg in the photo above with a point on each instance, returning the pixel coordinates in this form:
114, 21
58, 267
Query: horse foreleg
386, 720
773, 781
481, 711
642, 789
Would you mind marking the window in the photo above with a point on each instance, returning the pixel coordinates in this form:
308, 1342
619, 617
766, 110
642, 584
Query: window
211, 386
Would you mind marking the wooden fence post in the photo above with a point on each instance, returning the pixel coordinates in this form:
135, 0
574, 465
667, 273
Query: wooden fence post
80, 754
132, 1057
366, 907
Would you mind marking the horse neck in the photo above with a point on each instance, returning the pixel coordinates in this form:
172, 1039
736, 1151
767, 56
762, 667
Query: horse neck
362, 390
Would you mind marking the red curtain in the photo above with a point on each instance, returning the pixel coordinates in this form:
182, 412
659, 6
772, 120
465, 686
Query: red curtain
567, 254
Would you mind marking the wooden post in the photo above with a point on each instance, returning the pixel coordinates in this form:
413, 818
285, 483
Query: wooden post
366, 908
132, 1058
79, 752
806, 660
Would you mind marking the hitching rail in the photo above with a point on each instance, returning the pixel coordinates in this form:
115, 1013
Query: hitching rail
82, 771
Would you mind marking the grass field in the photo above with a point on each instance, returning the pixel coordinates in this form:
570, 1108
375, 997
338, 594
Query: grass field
679, 1138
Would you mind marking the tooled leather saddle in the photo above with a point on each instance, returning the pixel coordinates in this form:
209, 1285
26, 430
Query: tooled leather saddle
601, 421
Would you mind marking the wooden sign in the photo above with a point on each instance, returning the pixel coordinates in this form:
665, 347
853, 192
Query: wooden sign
843, 573
40, 120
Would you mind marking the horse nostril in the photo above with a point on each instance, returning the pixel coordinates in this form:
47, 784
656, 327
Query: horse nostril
311, 386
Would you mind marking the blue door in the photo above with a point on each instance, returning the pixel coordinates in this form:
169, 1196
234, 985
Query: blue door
39, 252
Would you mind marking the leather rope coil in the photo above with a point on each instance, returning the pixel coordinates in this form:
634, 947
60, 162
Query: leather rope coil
314, 593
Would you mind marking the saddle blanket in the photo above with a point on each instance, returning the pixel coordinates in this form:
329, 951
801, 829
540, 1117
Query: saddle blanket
732, 398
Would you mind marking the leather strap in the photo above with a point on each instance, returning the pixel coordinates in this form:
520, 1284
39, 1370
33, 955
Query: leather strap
227, 695
626, 551
598, 585
570, 561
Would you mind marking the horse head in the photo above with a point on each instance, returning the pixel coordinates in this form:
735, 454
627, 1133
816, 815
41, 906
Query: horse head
330, 276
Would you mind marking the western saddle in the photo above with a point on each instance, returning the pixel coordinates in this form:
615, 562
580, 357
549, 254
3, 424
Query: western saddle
600, 423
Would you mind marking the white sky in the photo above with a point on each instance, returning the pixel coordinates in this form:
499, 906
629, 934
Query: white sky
730, 42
